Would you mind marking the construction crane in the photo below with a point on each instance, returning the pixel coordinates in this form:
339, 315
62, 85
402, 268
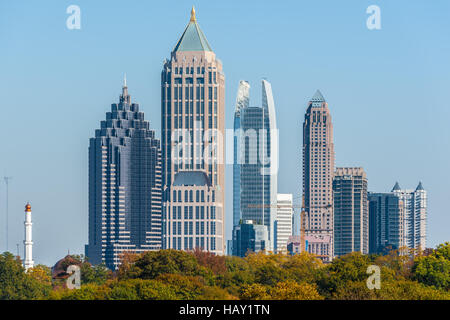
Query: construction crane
302, 226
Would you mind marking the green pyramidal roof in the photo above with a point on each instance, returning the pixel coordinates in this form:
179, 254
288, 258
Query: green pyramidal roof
193, 38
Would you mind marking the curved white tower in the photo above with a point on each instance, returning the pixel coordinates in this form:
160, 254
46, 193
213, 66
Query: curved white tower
28, 243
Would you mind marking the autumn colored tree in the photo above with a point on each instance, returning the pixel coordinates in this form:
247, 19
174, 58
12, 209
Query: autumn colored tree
211, 261
286, 290
42, 274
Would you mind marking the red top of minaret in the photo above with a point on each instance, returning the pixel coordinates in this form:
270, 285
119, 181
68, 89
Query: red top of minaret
28, 208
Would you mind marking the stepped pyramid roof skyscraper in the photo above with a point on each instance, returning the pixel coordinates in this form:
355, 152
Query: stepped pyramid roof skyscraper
124, 185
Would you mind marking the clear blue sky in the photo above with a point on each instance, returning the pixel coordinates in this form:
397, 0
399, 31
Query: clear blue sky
388, 92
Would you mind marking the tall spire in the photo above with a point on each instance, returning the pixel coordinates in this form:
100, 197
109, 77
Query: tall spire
125, 97
193, 14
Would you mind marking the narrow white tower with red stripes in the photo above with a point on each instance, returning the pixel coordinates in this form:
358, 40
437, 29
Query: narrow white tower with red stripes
28, 242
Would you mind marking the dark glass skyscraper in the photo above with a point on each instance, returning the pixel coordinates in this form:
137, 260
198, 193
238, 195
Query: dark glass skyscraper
385, 222
124, 185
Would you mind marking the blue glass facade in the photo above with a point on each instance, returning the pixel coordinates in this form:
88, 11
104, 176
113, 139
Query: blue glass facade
256, 146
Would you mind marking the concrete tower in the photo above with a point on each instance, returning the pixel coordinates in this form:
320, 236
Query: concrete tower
351, 215
415, 215
193, 131
318, 169
28, 242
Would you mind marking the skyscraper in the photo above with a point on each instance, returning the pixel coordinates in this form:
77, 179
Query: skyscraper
192, 123
283, 223
385, 222
124, 185
318, 169
242, 101
351, 214
257, 149
415, 215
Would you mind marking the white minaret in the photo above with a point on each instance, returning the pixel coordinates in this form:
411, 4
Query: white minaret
28, 243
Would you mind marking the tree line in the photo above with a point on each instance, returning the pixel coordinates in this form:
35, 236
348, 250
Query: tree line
171, 274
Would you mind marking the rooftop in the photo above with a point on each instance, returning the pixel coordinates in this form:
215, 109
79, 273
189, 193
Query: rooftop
193, 38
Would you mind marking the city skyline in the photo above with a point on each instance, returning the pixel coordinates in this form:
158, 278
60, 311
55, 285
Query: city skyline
46, 206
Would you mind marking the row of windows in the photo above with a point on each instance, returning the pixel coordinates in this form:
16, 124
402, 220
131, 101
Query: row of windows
188, 212
189, 196
189, 122
200, 242
189, 70
189, 228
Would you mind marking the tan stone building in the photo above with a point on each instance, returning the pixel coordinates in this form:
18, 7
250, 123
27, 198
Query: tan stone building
193, 124
318, 169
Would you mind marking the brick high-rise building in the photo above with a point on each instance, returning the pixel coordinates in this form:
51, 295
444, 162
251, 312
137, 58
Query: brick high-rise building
318, 169
192, 123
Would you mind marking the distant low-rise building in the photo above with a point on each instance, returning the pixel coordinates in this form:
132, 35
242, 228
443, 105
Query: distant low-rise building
250, 237
294, 245
283, 223
316, 245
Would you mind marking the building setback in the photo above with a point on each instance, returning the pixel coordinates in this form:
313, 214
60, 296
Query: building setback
318, 169
124, 185
283, 223
351, 214
192, 123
